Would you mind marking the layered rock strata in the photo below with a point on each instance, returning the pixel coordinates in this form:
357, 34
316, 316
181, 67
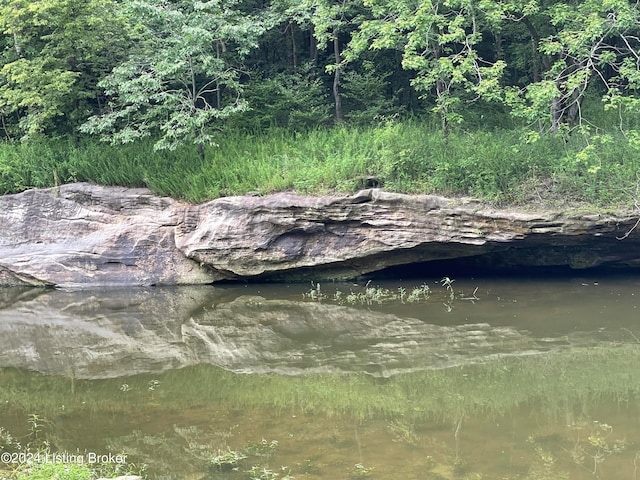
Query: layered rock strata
81, 235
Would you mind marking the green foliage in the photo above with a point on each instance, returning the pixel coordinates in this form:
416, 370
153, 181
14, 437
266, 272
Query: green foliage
545, 465
590, 42
501, 166
179, 71
296, 101
439, 42
56, 470
38, 459
56, 52
233, 460
594, 442
365, 95
371, 295
183, 77
39, 88
8, 443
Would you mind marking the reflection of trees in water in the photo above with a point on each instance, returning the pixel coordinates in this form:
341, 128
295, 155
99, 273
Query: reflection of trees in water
461, 417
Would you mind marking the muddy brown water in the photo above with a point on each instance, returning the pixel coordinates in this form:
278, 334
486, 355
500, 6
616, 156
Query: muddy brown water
504, 379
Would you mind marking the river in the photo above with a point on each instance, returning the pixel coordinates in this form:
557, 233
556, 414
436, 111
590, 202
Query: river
423, 378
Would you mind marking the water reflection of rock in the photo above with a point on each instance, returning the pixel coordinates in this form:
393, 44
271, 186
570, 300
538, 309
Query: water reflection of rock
116, 333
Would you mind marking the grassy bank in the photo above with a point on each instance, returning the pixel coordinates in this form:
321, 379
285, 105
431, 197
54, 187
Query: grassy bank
407, 156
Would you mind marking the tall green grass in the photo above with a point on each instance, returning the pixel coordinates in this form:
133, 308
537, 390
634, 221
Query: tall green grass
406, 156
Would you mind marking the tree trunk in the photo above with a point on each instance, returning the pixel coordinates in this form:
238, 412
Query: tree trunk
289, 33
218, 93
313, 46
440, 93
497, 36
535, 41
4, 127
573, 110
556, 115
16, 44
336, 77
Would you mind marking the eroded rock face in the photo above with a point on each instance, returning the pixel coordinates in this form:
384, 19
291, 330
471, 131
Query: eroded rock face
82, 234
287, 235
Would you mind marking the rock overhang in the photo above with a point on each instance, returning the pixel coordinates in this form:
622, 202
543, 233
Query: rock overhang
81, 234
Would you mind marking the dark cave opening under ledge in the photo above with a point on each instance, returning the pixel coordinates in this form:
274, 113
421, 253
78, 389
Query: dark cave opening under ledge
474, 267
493, 264
559, 258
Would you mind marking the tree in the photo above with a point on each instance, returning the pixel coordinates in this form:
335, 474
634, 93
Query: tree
582, 44
183, 77
328, 21
438, 40
55, 52
294, 100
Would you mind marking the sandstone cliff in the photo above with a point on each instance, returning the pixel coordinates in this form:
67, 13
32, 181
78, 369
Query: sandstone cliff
82, 235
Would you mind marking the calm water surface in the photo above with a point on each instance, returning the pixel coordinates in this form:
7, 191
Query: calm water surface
491, 379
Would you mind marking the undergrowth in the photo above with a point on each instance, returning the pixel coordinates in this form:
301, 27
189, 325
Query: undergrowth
501, 166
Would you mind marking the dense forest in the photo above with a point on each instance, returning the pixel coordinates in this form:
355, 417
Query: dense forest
198, 74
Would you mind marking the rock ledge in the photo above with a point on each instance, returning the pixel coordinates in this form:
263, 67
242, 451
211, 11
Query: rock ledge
81, 235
